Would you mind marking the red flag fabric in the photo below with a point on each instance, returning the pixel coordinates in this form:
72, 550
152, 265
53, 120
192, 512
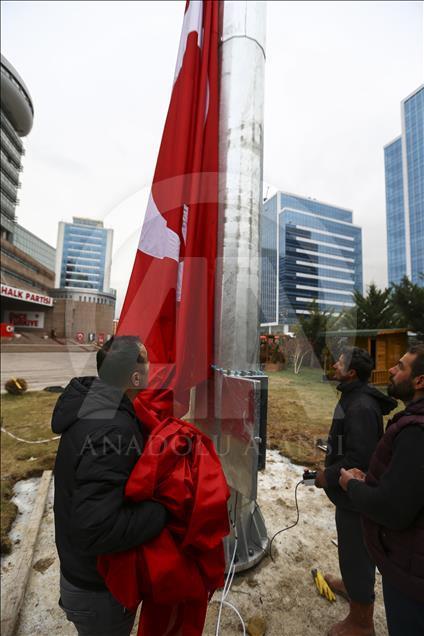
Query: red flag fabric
170, 297
176, 573
170, 305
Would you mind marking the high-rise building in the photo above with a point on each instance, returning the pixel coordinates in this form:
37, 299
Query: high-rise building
309, 251
84, 255
404, 172
84, 301
27, 262
17, 115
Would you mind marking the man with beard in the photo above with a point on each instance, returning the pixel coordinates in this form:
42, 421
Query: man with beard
391, 499
355, 431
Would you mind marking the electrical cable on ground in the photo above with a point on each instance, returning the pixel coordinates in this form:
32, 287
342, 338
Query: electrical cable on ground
231, 569
226, 589
288, 527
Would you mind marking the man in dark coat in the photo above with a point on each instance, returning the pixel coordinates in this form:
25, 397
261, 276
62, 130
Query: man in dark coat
355, 431
101, 440
391, 498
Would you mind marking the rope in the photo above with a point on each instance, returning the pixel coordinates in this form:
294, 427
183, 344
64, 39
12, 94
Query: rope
29, 441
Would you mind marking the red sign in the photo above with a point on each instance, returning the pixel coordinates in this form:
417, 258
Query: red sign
25, 318
79, 337
6, 330
101, 338
24, 294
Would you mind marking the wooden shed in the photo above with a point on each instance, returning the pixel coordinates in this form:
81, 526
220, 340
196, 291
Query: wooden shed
385, 346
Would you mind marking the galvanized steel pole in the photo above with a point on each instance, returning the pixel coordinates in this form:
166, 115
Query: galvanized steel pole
243, 25
240, 186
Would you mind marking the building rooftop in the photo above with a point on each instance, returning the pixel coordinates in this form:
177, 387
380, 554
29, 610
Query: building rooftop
15, 99
80, 220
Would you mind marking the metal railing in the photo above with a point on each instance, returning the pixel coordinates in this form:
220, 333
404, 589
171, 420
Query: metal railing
7, 145
380, 377
6, 204
13, 136
9, 188
9, 168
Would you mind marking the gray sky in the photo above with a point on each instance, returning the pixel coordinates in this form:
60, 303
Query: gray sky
100, 75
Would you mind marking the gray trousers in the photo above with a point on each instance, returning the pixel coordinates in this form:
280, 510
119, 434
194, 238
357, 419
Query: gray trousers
94, 613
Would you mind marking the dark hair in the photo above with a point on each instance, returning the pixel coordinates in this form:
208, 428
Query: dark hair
117, 359
417, 367
359, 360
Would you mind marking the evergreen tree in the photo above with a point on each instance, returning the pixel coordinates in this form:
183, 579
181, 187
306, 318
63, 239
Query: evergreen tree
371, 311
407, 302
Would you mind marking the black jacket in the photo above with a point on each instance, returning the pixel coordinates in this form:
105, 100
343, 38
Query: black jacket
355, 431
100, 443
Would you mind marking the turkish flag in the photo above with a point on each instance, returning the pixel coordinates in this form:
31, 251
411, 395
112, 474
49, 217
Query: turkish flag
169, 302
170, 305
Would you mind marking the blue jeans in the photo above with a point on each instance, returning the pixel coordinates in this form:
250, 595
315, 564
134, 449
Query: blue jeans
94, 613
405, 616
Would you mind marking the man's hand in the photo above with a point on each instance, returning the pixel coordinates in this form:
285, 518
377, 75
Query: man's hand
347, 475
321, 481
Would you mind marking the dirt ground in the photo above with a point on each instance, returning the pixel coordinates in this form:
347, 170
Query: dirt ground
299, 412
280, 596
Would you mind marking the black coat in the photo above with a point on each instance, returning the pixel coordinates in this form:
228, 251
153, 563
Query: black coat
354, 434
100, 443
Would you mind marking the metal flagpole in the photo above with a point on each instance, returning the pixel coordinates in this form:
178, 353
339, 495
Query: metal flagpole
238, 383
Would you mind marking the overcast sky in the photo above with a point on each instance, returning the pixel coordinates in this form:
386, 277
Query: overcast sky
100, 76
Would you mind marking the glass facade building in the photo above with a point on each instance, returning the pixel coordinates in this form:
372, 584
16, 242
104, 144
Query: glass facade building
35, 247
395, 211
309, 251
84, 254
404, 174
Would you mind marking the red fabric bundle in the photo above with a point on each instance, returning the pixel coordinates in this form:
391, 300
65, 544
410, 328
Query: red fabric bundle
176, 573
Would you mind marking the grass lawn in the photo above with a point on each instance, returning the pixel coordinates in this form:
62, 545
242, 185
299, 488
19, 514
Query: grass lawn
27, 416
300, 410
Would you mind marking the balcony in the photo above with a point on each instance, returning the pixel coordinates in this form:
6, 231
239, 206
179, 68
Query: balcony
13, 136
9, 168
10, 149
8, 187
7, 206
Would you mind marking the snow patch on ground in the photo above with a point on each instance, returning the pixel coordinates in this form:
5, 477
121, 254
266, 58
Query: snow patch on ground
24, 497
281, 593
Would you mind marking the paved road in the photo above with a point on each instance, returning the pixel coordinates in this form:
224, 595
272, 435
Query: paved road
46, 369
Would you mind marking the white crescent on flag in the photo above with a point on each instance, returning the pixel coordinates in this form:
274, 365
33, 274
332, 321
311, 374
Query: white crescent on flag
156, 238
170, 298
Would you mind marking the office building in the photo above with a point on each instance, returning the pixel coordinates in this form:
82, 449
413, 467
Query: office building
33, 246
309, 251
84, 255
404, 175
27, 262
17, 114
84, 301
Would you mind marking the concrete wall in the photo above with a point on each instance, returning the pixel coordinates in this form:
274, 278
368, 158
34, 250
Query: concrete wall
70, 317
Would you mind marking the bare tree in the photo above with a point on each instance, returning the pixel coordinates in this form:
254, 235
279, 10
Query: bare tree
297, 349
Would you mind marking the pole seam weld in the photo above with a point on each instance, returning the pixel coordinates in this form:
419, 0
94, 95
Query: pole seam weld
248, 37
